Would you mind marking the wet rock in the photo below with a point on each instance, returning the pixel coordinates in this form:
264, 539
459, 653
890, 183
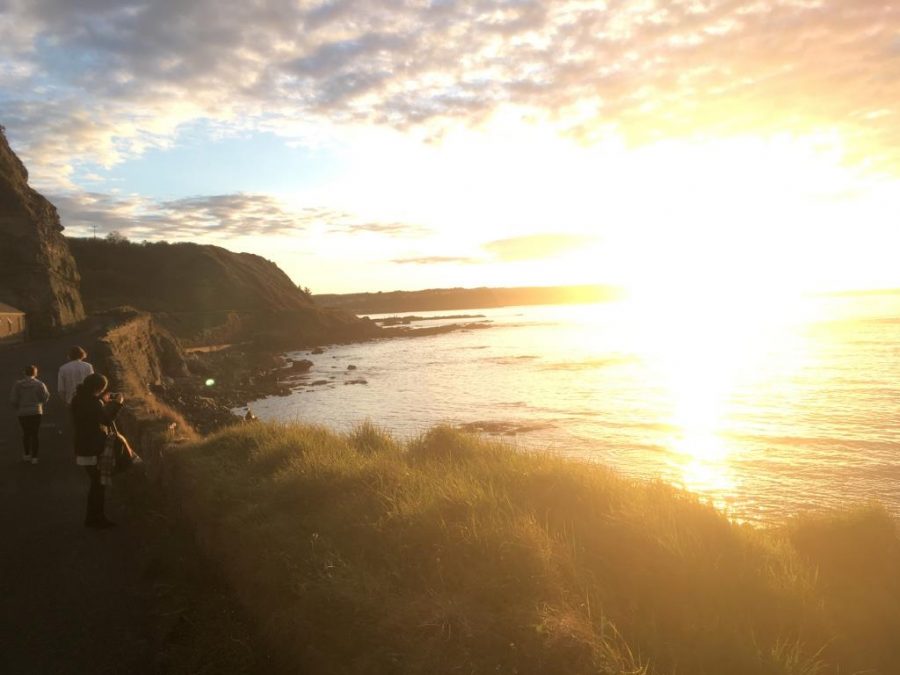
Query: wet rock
318, 383
358, 380
301, 366
351, 367
503, 428
317, 350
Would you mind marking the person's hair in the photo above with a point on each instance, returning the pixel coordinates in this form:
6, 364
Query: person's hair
30, 371
94, 385
77, 353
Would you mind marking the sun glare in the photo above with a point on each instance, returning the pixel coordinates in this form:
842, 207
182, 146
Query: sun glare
702, 345
717, 285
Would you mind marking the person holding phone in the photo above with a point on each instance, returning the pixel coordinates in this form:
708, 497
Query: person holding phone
93, 411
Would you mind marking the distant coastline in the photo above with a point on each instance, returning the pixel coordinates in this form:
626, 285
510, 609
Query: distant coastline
438, 299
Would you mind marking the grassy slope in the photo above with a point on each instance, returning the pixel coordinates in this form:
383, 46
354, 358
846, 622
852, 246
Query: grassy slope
206, 294
453, 555
163, 277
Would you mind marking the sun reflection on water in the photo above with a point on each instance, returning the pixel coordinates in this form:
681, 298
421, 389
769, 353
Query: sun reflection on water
704, 348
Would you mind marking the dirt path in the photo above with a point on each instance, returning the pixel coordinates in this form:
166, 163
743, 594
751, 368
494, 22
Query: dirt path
72, 599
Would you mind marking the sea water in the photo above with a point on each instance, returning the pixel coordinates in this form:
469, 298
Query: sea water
765, 421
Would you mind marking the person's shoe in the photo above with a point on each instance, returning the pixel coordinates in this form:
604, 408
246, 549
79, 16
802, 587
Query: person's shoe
34, 460
26, 458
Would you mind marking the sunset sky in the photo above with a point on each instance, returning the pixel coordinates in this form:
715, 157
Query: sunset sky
402, 144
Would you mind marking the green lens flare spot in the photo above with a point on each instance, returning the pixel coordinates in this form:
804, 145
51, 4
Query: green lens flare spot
210, 382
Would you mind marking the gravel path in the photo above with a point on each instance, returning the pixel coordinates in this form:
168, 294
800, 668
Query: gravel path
72, 600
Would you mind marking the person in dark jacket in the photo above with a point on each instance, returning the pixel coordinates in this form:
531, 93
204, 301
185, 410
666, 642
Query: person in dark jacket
93, 411
28, 397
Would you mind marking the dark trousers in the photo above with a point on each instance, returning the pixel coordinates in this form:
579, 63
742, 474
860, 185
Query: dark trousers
30, 425
95, 498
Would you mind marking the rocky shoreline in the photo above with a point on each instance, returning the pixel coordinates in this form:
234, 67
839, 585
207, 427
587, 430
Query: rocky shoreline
232, 377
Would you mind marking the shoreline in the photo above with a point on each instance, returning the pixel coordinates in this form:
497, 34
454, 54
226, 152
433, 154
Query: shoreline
246, 372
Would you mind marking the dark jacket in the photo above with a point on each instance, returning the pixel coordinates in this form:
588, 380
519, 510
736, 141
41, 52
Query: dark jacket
91, 418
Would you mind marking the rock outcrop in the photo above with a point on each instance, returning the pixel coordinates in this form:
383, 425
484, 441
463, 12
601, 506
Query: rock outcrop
37, 271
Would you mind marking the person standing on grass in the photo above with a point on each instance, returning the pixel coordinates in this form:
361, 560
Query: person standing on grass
28, 397
72, 374
93, 411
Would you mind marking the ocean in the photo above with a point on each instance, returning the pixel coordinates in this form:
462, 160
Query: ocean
765, 419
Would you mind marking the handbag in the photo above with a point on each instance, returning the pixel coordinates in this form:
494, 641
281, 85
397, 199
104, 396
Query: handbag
123, 455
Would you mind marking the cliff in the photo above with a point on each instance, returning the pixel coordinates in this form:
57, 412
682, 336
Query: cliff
37, 272
141, 358
207, 294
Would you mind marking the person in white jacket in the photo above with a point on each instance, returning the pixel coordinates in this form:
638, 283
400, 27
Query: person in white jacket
72, 374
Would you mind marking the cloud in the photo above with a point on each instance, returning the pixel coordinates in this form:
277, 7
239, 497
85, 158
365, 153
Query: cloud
349, 226
223, 216
437, 260
536, 246
514, 249
141, 218
100, 80
233, 214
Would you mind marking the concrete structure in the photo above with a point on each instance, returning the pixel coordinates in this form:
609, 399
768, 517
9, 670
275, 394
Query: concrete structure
13, 326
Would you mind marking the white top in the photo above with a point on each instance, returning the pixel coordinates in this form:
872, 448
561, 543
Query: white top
70, 376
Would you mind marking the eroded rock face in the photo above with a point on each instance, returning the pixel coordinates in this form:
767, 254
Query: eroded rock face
37, 272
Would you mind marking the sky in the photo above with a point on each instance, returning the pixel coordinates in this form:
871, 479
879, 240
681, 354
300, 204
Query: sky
661, 145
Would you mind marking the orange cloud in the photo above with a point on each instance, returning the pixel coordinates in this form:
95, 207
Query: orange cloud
105, 82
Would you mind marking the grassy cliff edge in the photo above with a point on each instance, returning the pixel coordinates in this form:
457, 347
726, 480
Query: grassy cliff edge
448, 554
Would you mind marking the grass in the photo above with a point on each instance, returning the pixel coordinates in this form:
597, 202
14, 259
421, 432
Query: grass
360, 554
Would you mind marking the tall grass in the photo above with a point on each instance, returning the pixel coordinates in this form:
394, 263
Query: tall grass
450, 554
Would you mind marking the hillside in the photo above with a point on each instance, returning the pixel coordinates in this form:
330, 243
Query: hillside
434, 299
207, 294
182, 277
37, 272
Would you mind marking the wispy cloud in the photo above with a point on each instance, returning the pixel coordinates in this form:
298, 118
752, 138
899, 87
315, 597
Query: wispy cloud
395, 229
536, 246
514, 249
437, 260
225, 216
141, 218
100, 81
